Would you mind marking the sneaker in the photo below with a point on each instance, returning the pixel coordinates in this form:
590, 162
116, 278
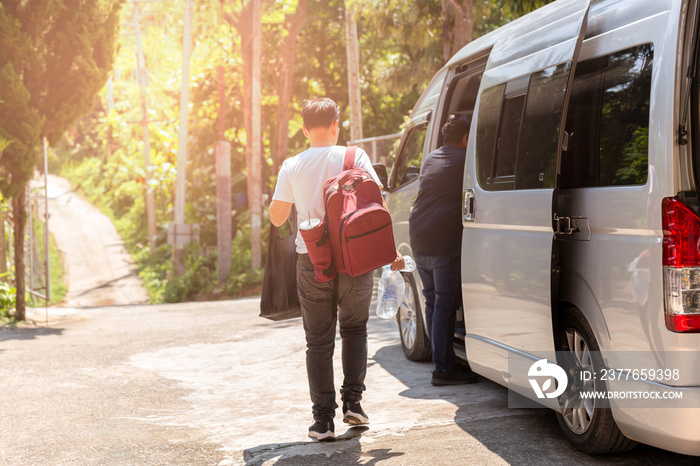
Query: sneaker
323, 430
353, 414
453, 377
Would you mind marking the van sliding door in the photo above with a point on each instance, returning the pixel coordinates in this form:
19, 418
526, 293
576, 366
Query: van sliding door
509, 186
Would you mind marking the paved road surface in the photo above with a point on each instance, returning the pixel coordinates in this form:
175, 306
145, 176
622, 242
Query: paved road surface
99, 270
212, 383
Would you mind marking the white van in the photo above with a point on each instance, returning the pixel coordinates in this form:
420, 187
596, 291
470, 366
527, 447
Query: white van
581, 193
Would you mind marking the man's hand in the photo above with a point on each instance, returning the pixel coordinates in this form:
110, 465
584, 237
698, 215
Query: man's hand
398, 263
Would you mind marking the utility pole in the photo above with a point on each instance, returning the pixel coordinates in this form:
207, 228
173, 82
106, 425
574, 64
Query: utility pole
178, 247
255, 170
142, 77
353, 53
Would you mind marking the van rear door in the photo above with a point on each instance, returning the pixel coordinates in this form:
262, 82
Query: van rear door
509, 187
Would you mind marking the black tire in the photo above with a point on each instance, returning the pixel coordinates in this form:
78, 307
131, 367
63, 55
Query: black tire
415, 343
595, 433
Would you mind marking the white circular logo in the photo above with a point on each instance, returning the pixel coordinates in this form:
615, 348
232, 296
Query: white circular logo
545, 371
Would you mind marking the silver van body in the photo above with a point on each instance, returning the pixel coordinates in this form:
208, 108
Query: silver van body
556, 230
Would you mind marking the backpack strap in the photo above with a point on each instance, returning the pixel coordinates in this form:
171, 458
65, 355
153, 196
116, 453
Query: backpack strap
349, 157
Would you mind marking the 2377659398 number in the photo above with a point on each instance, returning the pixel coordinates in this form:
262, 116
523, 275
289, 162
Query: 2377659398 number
640, 374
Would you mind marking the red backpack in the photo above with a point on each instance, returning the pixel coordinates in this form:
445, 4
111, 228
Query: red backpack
362, 238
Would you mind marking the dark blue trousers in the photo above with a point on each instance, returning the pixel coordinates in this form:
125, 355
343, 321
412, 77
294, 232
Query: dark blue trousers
442, 288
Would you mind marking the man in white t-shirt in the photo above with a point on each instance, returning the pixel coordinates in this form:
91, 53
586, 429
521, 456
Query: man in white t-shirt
300, 182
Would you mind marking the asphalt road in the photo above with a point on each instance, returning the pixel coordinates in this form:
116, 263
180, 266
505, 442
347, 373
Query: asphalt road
213, 383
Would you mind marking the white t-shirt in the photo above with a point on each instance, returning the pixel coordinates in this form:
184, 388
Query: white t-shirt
302, 177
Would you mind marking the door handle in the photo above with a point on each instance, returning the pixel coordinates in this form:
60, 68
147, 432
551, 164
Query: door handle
572, 228
469, 211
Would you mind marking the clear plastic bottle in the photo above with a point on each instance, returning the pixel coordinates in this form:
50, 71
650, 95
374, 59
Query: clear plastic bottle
410, 264
391, 289
390, 292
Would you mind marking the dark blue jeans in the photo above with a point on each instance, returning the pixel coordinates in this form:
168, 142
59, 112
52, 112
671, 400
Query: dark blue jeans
442, 288
320, 318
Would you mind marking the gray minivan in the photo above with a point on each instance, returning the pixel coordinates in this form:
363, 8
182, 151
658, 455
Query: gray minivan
581, 195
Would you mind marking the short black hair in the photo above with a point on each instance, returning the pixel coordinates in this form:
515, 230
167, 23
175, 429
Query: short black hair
319, 112
455, 128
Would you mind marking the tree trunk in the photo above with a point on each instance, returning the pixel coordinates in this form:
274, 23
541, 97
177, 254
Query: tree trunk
464, 24
19, 216
247, 53
243, 23
284, 86
255, 168
354, 94
457, 25
447, 28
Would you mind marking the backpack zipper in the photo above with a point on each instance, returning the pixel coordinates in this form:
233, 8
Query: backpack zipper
367, 233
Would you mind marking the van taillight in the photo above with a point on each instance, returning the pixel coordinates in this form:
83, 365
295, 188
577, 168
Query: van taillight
681, 256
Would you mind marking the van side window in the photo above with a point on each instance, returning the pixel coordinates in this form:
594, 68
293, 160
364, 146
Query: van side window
407, 166
518, 130
609, 120
537, 151
507, 143
487, 126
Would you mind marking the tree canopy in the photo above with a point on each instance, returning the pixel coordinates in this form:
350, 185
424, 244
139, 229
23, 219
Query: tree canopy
58, 55
402, 44
55, 57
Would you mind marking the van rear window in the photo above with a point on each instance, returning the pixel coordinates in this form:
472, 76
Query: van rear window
608, 120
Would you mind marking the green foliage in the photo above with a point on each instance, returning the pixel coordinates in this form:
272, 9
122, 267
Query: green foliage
3, 144
59, 288
242, 277
153, 269
198, 279
636, 158
104, 154
54, 68
397, 62
56, 55
57, 279
20, 122
123, 202
7, 301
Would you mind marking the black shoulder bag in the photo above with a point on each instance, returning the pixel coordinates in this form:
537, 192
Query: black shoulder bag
280, 300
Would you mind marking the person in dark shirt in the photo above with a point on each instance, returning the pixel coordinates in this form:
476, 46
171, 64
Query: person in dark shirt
435, 228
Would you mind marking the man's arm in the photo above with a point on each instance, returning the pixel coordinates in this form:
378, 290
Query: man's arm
279, 212
398, 263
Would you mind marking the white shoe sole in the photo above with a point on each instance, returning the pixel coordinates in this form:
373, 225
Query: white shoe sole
355, 419
322, 437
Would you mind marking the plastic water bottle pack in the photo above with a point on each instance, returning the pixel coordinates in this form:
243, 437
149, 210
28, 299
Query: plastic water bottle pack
391, 289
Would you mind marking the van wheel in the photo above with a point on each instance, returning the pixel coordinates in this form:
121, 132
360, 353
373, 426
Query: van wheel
414, 341
587, 423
